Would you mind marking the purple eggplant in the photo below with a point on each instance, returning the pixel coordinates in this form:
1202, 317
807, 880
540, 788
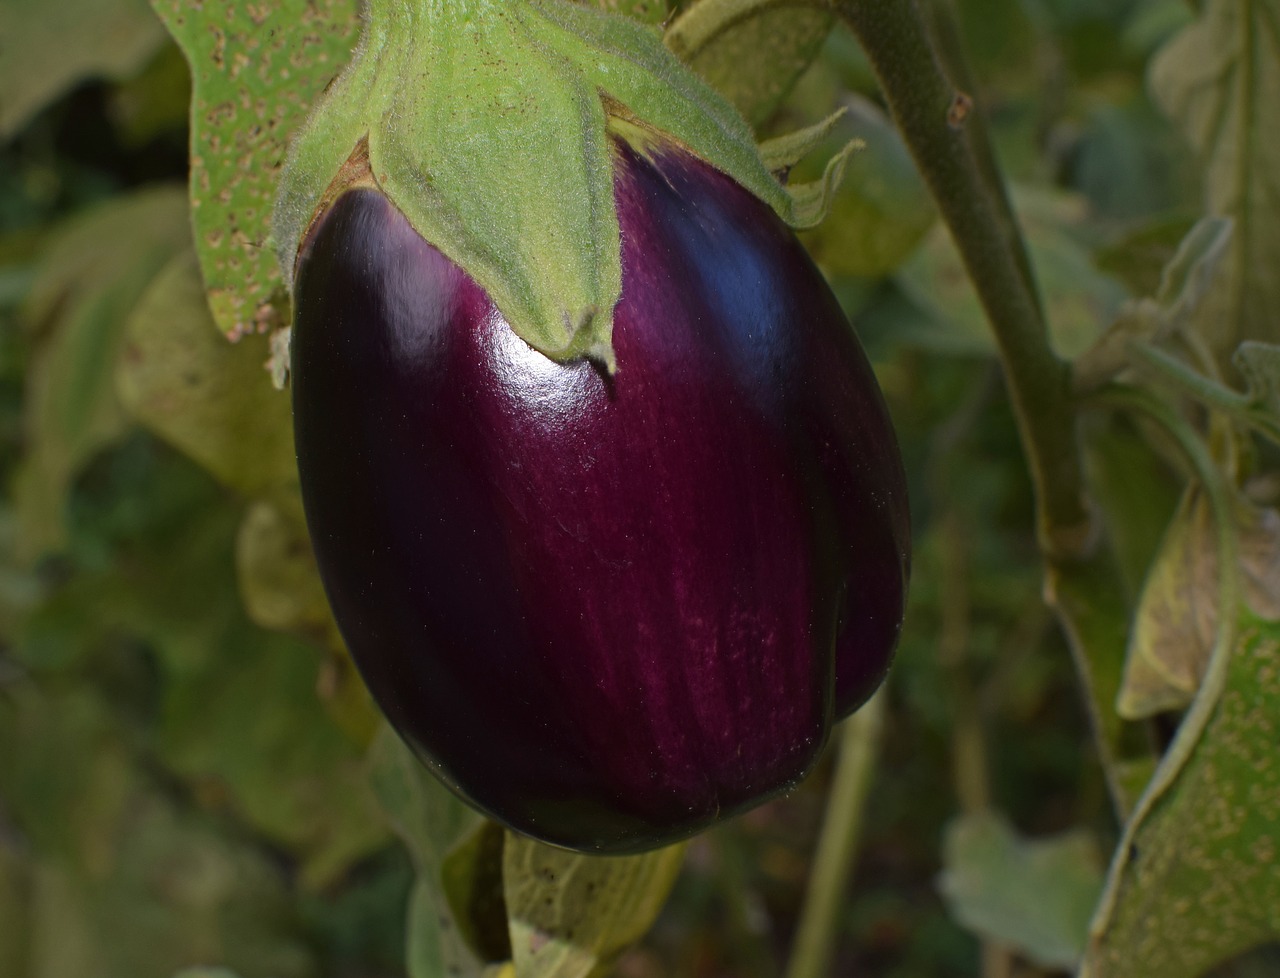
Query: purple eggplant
609, 610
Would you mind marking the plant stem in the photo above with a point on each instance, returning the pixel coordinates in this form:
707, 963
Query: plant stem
837, 845
924, 81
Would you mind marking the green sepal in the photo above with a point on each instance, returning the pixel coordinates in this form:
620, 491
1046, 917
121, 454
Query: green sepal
809, 201
783, 152
487, 124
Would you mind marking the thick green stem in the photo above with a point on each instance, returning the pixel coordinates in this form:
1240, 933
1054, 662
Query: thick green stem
838, 844
924, 82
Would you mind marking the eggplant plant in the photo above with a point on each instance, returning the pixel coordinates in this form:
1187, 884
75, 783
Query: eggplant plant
573, 535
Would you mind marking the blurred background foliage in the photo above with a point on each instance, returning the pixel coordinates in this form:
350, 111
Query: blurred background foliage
191, 773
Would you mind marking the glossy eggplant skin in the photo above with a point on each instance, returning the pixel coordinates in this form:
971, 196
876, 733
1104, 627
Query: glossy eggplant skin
608, 611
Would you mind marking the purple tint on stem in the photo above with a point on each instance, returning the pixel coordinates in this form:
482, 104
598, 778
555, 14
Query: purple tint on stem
604, 610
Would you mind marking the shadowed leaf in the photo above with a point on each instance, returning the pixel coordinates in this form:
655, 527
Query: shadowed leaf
1260, 364
432, 822
1079, 299
1218, 80
49, 45
1177, 618
649, 11
89, 279
753, 59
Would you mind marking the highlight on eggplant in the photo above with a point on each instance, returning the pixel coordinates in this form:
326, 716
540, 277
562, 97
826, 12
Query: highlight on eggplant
609, 610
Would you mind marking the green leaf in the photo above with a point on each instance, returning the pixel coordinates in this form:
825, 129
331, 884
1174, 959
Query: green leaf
232, 710
1186, 284
1138, 257
123, 884
882, 210
250, 730
504, 161
1176, 623
1035, 896
1217, 80
279, 581
1195, 881
436, 949
154, 103
1136, 496
429, 818
571, 914
49, 45
750, 52
433, 823
1260, 365
1189, 277
648, 11
472, 880
1089, 599
782, 153
65, 773
256, 69
181, 890
15, 910
89, 279
211, 399
1079, 299
62, 941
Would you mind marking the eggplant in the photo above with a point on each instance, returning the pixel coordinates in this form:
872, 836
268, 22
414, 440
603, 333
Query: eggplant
607, 608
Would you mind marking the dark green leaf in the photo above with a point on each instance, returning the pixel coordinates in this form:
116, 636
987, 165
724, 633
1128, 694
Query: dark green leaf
89, 280
1136, 495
